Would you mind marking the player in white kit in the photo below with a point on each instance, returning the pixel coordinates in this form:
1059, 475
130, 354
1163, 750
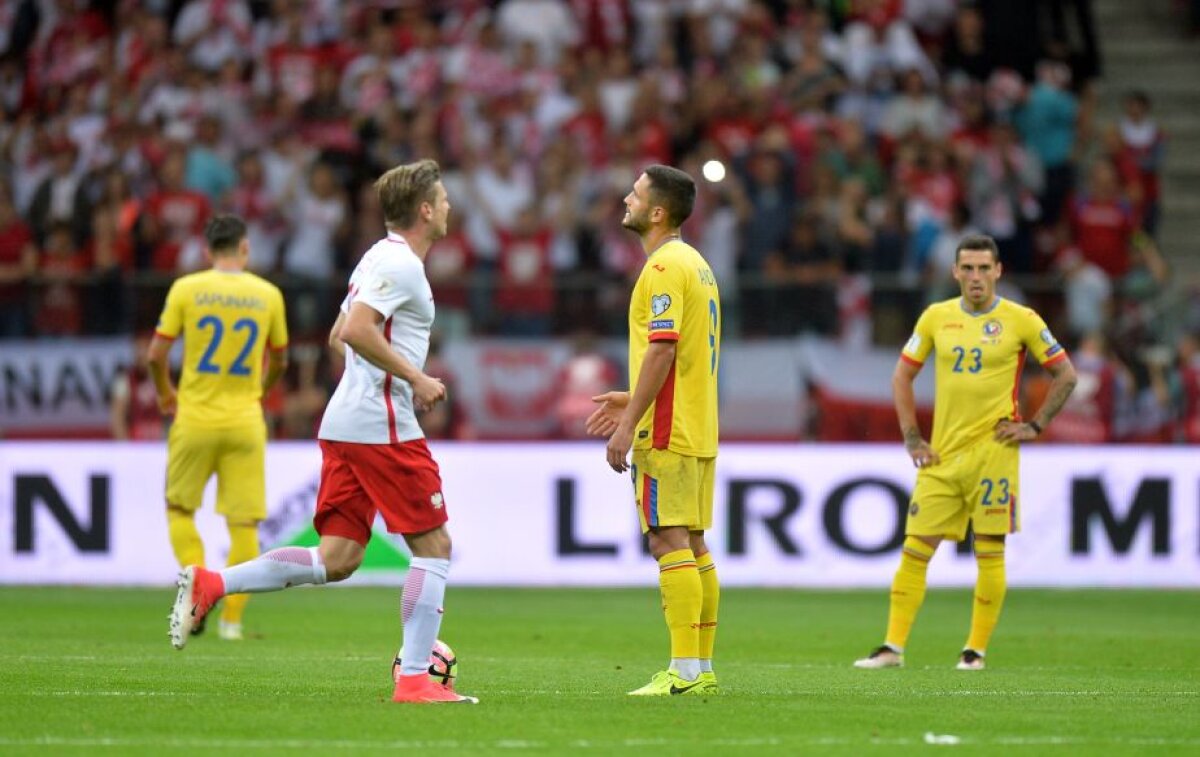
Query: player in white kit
374, 456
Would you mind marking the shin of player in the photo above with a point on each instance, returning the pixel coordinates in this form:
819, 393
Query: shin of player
374, 459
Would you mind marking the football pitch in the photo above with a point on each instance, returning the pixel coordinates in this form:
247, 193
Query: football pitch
90, 671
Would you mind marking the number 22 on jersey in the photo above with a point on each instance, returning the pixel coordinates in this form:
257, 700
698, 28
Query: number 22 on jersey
217, 326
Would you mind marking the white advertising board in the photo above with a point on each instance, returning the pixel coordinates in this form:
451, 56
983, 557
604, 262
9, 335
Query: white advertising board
554, 514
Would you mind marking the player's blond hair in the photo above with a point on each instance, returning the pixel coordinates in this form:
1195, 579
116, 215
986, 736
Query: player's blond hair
402, 190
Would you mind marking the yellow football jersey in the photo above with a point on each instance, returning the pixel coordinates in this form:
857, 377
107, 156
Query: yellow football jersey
676, 298
979, 362
227, 320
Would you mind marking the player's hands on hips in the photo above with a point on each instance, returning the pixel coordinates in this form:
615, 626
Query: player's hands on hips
1012, 431
922, 454
605, 419
167, 403
427, 392
618, 448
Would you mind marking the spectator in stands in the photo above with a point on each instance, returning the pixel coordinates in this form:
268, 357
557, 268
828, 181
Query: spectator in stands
18, 263
1186, 388
174, 218
1102, 221
209, 169
1087, 291
59, 309
804, 272
966, 51
1005, 181
915, 109
133, 412
1143, 142
1046, 120
524, 299
58, 199
586, 374
1088, 416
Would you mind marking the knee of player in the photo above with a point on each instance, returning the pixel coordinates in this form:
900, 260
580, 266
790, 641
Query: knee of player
340, 568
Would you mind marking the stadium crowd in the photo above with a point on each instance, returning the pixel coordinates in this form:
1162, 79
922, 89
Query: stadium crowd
860, 139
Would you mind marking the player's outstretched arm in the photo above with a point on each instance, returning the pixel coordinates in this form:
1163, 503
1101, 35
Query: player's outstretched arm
604, 420
906, 412
362, 333
1063, 383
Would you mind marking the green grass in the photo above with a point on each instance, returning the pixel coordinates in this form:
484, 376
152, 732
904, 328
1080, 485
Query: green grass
87, 671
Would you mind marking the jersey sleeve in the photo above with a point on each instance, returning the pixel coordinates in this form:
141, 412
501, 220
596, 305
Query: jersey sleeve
170, 322
1039, 341
665, 287
277, 335
385, 289
920, 344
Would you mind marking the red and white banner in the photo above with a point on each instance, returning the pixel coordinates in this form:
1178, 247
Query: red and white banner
555, 514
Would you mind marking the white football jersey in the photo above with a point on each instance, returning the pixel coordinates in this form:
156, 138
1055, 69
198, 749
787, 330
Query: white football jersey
371, 406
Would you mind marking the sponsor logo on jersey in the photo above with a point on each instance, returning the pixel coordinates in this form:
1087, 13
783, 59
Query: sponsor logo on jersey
1047, 337
914, 508
659, 303
914, 342
662, 324
952, 325
996, 511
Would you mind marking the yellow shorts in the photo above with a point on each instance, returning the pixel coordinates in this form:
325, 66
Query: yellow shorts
673, 489
977, 485
237, 455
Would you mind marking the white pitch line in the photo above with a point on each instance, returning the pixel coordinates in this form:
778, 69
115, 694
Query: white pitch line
517, 744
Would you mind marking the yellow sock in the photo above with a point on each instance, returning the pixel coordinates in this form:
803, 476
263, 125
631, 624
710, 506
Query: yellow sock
908, 590
990, 588
243, 546
185, 539
679, 582
711, 590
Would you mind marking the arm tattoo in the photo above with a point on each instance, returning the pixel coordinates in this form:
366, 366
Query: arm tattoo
1060, 390
912, 437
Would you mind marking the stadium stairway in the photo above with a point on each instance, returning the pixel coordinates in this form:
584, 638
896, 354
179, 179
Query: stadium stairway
1142, 47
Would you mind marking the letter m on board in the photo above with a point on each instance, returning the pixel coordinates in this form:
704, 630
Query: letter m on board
32, 490
1151, 505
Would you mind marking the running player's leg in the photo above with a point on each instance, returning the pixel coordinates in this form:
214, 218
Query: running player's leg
404, 482
343, 519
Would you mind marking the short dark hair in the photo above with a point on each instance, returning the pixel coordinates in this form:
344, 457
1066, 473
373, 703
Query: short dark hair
224, 233
978, 242
1139, 96
674, 190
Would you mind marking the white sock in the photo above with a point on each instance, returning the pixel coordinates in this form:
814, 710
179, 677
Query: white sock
688, 668
275, 570
706, 665
421, 612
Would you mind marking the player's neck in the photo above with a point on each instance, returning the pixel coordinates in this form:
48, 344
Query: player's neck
416, 241
657, 237
228, 265
983, 307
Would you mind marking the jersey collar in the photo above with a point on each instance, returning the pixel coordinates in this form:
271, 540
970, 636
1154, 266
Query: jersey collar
995, 304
